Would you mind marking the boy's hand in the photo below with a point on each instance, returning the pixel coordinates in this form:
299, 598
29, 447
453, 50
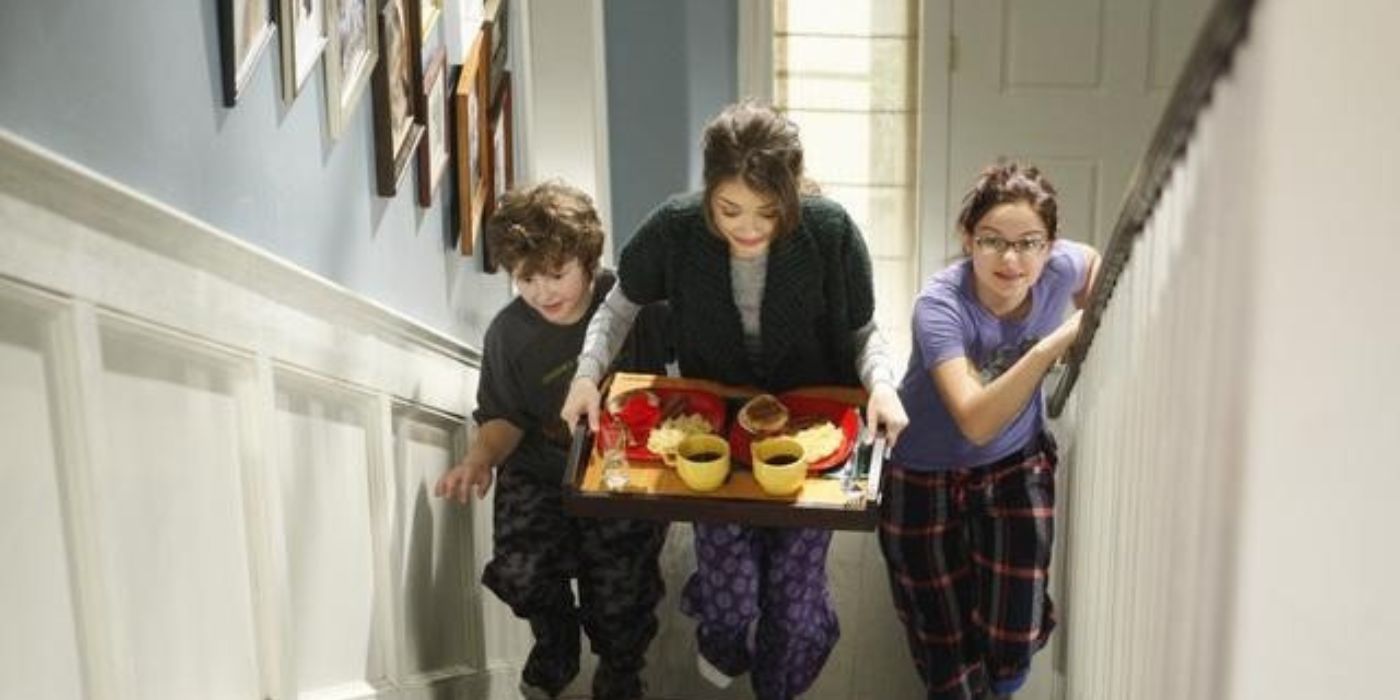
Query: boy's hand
583, 399
463, 479
884, 411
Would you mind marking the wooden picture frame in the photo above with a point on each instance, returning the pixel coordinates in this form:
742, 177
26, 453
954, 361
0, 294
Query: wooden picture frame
245, 31
304, 37
473, 147
397, 127
352, 51
434, 152
502, 156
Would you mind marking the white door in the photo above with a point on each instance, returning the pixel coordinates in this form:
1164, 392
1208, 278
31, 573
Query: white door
1074, 86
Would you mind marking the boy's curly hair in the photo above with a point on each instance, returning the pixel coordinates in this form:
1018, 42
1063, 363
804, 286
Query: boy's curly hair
542, 227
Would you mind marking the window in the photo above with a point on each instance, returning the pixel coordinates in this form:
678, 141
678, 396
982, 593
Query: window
846, 72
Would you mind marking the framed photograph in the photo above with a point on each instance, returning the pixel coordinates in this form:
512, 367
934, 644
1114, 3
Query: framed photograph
352, 50
473, 146
303, 24
428, 13
497, 24
396, 100
245, 30
461, 20
502, 156
502, 143
433, 152
416, 36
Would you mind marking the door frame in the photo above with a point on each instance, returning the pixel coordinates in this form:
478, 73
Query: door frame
936, 240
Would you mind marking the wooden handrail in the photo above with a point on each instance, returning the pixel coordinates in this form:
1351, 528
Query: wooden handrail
1210, 59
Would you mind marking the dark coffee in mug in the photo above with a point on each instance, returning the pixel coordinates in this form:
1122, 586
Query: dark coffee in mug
704, 457
782, 460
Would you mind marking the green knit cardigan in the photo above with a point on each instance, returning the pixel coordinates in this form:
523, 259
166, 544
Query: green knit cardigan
817, 291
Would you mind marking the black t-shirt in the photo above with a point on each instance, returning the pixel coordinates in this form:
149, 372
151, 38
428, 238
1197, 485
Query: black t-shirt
529, 362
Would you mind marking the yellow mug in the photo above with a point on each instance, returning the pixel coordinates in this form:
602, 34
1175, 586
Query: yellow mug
779, 465
701, 460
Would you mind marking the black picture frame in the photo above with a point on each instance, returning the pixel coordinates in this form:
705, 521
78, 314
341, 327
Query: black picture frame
246, 28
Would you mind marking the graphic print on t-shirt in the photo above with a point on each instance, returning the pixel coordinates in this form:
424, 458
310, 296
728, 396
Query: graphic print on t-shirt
993, 364
552, 427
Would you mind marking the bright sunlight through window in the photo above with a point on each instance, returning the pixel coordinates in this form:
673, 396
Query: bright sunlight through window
846, 72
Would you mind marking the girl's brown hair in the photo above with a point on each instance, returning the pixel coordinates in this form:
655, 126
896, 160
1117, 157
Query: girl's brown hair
542, 227
1005, 183
758, 145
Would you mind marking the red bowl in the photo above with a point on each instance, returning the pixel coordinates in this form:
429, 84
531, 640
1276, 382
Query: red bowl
708, 405
842, 415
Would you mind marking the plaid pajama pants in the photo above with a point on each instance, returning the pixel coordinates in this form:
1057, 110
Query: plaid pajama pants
538, 549
968, 554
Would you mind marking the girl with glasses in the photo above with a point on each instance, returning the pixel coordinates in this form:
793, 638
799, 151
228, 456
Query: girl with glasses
967, 516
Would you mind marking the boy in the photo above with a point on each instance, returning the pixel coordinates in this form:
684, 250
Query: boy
548, 237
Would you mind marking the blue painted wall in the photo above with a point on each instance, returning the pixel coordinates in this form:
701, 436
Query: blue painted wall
131, 90
670, 67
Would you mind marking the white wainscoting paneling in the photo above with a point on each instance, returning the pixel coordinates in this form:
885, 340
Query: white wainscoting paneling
39, 647
169, 502
216, 468
323, 466
432, 575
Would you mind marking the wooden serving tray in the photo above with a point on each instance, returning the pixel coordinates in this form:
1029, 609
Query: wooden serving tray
838, 499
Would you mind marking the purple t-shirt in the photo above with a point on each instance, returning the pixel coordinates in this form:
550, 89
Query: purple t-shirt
949, 322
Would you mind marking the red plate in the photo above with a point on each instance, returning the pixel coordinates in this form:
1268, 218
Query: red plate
806, 407
702, 402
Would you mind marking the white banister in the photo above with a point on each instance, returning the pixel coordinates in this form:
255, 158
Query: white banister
1231, 529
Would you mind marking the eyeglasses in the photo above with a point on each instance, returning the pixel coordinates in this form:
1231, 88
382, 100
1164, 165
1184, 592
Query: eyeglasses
995, 245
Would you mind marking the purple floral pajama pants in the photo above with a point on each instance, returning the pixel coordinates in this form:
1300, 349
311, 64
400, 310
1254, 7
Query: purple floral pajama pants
776, 576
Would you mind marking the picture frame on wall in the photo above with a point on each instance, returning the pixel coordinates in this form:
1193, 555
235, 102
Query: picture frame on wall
461, 20
428, 13
304, 38
245, 30
502, 142
352, 51
502, 155
497, 25
473, 147
396, 96
416, 35
434, 153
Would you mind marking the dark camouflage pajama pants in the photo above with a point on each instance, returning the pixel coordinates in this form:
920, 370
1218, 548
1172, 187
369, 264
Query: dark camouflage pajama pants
538, 549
